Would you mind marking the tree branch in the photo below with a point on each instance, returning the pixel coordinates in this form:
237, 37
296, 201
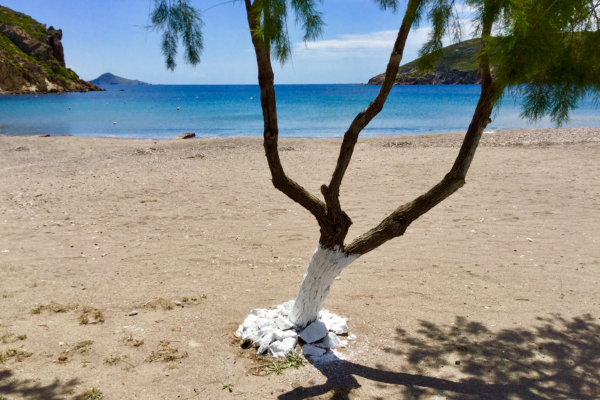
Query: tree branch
396, 223
271, 132
338, 221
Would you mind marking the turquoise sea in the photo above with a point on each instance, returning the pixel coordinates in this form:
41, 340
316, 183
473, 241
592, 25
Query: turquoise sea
305, 111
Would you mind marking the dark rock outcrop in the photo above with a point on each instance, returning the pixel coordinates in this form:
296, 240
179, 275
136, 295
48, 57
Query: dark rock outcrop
32, 58
54, 40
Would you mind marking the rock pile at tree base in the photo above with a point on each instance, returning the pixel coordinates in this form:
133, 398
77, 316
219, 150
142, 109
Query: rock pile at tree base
274, 334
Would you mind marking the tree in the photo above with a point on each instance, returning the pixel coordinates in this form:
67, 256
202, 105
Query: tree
544, 50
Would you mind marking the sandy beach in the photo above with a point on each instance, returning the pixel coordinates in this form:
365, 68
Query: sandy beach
494, 294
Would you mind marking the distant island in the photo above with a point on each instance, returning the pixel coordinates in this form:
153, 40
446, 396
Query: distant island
110, 79
456, 66
32, 58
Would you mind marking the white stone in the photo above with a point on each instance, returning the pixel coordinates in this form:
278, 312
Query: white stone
324, 266
262, 322
251, 318
343, 344
265, 331
259, 312
238, 333
310, 350
278, 334
352, 337
286, 308
283, 323
337, 325
290, 334
281, 348
313, 332
331, 341
250, 333
264, 342
271, 314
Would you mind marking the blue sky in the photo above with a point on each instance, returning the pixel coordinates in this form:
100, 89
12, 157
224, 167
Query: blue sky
108, 36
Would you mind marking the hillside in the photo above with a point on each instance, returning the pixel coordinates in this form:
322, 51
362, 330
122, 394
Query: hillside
32, 58
457, 65
110, 79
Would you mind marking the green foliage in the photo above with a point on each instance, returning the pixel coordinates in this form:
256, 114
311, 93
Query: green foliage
293, 360
22, 21
92, 394
178, 20
444, 18
228, 386
18, 355
548, 53
543, 50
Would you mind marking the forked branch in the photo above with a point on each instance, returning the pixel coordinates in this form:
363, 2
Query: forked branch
340, 222
396, 223
271, 131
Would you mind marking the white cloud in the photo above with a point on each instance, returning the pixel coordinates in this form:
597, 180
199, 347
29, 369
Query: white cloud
361, 46
373, 40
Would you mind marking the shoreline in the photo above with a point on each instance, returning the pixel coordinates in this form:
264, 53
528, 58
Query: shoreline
501, 138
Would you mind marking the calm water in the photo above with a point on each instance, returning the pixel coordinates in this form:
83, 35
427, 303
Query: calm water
150, 112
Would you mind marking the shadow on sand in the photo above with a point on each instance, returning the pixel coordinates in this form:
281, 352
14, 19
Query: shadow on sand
28, 389
557, 359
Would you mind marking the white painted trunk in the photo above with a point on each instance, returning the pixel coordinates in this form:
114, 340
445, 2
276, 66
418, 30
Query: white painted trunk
324, 266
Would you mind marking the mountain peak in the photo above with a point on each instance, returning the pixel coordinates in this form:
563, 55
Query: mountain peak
111, 79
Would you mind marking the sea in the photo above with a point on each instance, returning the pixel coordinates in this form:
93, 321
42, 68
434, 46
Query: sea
304, 111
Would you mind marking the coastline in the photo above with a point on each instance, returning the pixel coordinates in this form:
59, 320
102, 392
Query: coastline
121, 225
490, 138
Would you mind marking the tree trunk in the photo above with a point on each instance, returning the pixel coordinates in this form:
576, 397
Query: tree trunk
324, 266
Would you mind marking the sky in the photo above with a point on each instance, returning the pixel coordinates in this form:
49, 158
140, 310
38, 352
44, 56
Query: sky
109, 36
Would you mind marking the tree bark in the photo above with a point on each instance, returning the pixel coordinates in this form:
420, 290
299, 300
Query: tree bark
271, 131
334, 233
324, 266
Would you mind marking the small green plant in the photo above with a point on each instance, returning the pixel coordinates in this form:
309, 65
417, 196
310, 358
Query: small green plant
293, 360
93, 394
5, 338
276, 368
228, 386
185, 300
113, 359
3, 398
22, 337
83, 346
18, 355
203, 296
36, 310
90, 315
194, 298
166, 353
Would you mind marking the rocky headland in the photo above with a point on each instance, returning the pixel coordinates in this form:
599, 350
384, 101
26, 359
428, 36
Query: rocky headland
456, 66
32, 58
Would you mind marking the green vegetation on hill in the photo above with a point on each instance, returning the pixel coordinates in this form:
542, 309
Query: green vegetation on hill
22, 21
457, 65
32, 58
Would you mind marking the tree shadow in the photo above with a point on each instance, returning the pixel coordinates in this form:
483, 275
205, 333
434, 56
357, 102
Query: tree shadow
557, 359
30, 389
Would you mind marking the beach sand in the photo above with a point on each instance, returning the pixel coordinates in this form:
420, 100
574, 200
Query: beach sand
493, 294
